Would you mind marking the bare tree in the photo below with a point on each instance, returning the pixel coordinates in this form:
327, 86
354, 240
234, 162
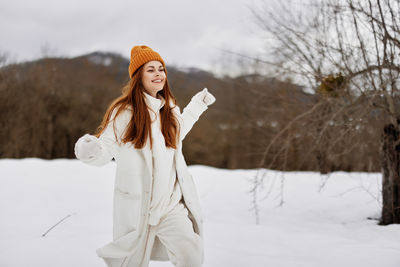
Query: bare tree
346, 52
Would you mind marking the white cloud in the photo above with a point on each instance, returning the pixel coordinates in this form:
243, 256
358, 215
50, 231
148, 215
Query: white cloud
185, 33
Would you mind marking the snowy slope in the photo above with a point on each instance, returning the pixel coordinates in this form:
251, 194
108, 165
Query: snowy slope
328, 227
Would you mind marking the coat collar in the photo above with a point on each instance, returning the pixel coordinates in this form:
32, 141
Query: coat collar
154, 103
150, 100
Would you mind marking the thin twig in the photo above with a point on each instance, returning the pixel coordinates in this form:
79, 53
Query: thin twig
69, 215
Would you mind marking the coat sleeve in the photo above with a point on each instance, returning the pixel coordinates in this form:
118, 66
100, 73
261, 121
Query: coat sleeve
108, 142
190, 115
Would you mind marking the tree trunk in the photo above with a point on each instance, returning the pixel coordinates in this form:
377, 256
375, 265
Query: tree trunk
389, 156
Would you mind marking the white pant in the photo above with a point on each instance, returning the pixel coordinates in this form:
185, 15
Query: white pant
175, 231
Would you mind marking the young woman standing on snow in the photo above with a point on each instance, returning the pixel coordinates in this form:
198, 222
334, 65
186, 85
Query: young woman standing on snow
156, 213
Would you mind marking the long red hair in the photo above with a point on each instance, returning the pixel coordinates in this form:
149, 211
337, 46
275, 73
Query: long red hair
139, 127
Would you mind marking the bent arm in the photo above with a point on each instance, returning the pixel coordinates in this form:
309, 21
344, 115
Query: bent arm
191, 113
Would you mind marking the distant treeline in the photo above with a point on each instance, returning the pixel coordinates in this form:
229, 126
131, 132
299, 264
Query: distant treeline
46, 105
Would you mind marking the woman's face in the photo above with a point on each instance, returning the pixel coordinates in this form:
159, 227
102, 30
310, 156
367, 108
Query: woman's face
153, 77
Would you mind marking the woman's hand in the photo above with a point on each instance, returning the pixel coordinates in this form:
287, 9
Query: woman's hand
87, 147
205, 97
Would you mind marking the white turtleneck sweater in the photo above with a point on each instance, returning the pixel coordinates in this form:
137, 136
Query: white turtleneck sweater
166, 192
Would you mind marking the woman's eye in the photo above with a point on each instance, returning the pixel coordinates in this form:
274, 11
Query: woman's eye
161, 69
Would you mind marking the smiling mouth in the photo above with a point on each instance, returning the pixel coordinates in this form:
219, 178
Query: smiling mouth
157, 81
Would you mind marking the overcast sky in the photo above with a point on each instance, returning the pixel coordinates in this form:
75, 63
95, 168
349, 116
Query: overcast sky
185, 33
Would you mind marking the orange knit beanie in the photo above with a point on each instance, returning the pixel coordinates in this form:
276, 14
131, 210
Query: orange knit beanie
140, 55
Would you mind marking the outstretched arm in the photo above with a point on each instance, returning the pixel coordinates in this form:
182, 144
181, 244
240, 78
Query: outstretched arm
99, 151
191, 113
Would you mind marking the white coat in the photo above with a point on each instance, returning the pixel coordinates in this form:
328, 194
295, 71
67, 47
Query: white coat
133, 185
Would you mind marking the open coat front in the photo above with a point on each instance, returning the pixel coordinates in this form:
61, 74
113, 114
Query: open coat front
133, 187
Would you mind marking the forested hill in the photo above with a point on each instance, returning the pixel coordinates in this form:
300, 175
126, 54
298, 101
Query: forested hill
47, 104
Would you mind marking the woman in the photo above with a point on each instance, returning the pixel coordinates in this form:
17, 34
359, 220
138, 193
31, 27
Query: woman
156, 213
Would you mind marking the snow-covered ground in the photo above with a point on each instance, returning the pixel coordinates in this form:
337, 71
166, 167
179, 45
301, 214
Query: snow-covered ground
327, 227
